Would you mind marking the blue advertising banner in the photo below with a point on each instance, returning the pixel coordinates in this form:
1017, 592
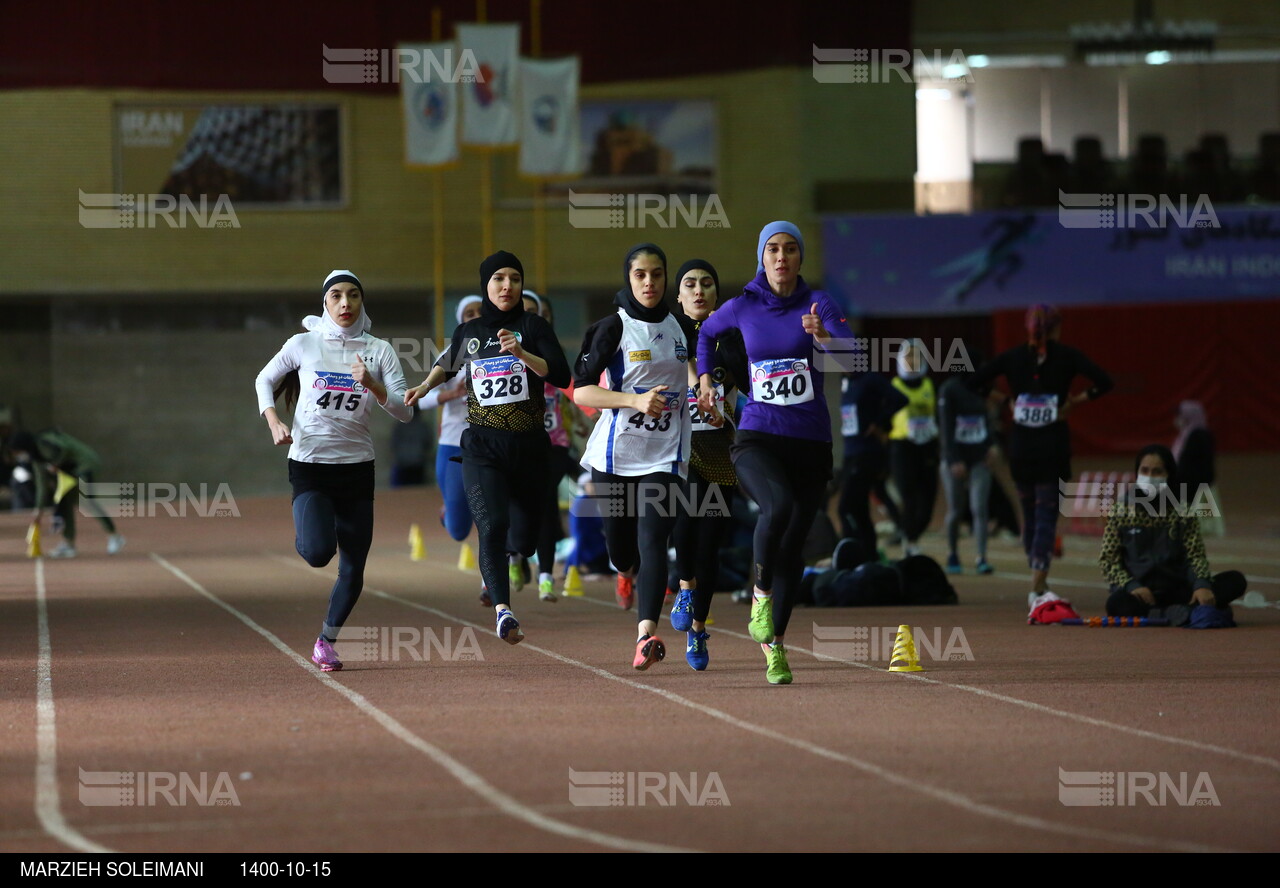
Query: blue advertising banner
918, 265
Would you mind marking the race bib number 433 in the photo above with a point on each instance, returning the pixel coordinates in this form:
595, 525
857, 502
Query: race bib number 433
644, 424
498, 380
1035, 411
781, 381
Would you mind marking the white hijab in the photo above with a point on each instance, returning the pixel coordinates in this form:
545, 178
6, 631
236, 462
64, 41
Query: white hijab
325, 325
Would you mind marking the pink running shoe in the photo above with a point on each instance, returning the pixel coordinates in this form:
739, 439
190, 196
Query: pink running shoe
324, 657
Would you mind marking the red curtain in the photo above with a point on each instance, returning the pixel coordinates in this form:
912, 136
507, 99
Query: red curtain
1158, 355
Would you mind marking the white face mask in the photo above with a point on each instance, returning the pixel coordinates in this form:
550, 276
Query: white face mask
1148, 484
904, 368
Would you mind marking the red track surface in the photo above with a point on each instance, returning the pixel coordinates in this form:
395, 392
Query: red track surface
150, 674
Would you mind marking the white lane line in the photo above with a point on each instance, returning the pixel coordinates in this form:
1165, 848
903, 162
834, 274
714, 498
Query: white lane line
946, 796
1027, 704
48, 806
460, 772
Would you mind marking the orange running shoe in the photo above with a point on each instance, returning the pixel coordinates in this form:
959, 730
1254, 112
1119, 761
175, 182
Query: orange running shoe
626, 591
649, 650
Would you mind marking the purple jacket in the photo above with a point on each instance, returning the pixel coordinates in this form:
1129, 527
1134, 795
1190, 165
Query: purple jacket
781, 400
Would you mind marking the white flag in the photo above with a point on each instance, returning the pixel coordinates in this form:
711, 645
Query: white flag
488, 104
549, 117
429, 97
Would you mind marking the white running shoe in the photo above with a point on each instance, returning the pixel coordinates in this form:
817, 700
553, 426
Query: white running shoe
115, 543
64, 550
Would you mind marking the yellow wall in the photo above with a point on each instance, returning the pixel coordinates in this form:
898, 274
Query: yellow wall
780, 132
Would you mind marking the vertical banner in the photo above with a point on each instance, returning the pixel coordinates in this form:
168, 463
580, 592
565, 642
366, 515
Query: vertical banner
429, 97
488, 105
549, 117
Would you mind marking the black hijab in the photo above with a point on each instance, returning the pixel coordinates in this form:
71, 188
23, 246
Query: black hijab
492, 315
627, 302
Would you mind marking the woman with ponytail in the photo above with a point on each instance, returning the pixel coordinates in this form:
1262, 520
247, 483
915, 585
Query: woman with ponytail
331, 373
1040, 374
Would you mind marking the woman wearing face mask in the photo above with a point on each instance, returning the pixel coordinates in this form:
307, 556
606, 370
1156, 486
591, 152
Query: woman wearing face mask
782, 449
640, 445
700, 529
332, 372
1152, 552
1040, 374
913, 445
507, 353
451, 398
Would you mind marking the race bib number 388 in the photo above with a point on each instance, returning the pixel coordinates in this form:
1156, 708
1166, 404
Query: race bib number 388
498, 380
781, 381
1034, 411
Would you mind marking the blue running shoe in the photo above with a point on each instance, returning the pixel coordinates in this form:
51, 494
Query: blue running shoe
509, 628
984, 567
682, 611
696, 653
953, 564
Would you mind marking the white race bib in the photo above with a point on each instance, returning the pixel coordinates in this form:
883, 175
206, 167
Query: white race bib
921, 429
335, 393
781, 381
971, 429
551, 419
701, 421
849, 420
498, 380
638, 423
1035, 411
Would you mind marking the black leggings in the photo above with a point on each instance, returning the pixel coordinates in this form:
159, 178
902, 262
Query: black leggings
505, 477
787, 478
861, 474
699, 534
1227, 587
551, 531
639, 515
324, 525
915, 474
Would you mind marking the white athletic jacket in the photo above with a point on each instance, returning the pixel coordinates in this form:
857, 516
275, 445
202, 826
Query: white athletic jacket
331, 422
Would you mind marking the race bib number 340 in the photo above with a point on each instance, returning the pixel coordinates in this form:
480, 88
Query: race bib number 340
1034, 411
781, 381
498, 380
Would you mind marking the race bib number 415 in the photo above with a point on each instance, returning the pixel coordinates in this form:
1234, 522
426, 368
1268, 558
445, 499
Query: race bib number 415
1034, 411
498, 380
781, 381
335, 393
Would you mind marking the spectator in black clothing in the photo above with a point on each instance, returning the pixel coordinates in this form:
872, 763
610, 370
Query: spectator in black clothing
1040, 374
1194, 451
867, 405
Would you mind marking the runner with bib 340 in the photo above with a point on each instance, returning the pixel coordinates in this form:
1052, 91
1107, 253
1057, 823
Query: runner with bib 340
782, 451
1040, 374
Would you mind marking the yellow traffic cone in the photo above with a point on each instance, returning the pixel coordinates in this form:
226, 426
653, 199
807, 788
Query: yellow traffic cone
573, 582
33, 540
417, 549
904, 653
466, 558
708, 621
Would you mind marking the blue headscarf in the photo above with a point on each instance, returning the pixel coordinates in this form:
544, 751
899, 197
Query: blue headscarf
769, 231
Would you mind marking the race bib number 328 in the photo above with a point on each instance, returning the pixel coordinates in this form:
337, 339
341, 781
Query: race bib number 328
781, 381
498, 380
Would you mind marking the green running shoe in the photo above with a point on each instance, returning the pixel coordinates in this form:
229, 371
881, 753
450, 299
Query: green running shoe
778, 672
761, 624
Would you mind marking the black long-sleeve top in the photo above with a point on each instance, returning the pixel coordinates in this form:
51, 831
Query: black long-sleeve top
1061, 365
